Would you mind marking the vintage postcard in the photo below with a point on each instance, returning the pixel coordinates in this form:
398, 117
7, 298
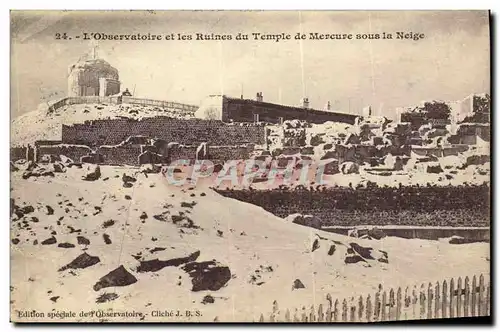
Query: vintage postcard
249, 166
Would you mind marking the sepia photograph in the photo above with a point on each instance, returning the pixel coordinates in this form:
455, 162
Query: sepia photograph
249, 166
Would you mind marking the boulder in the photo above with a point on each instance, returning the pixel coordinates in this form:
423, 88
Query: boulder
49, 241
81, 262
59, 167
38, 171
364, 252
49, 158
349, 167
83, 240
65, 160
93, 173
434, 168
156, 264
353, 259
297, 284
128, 178
207, 275
118, 277
66, 245
305, 220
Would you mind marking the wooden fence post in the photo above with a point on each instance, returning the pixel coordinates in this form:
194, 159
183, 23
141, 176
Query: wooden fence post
437, 303
398, 304
452, 292
320, 313
407, 302
473, 291
392, 306
304, 316
444, 301
459, 297
488, 299
352, 309
360, 309
329, 312
312, 317
430, 297
376, 309
383, 306
369, 308
480, 302
296, 315
423, 302
344, 310
336, 311
414, 301
287, 316
467, 297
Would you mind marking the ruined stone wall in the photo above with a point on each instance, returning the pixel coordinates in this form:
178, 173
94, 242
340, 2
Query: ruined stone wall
18, 152
436, 206
120, 155
189, 132
243, 110
74, 152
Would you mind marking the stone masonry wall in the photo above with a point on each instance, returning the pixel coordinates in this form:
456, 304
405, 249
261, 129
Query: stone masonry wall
188, 132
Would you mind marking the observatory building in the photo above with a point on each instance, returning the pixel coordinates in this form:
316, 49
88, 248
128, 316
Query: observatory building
92, 77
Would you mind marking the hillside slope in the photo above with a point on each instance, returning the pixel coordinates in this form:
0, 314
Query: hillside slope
153, 220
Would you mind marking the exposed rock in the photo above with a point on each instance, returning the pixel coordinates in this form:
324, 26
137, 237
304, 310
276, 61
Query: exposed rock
83, 240
434, 168
38, 171
332, 249
156, 264
93, 173
106, 238
108, 223
59, 167
15, 240
128, 197
455, 239
49, 241
349, 167
315, 245
207, 275
188, 205
54, 298
50, 210
155, 249
305, 220
128, 178
13, 168
128, 184
106, 297
364, 252
297, 284
118, 277
208, 299
66, 245
376, 233
81, 262
143, 216
353, 259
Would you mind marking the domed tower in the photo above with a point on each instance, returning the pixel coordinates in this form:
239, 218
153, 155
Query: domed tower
92, 77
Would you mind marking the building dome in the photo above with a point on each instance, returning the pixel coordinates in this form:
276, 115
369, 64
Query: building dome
93, 77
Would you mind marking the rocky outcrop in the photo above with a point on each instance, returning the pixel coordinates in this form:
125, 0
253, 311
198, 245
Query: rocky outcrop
208, 275
156, 264
119, 277
81, 262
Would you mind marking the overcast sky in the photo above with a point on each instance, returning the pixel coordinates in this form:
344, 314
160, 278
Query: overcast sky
451, 62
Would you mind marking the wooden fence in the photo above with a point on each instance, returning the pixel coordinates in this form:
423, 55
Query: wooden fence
442, 300
115, 100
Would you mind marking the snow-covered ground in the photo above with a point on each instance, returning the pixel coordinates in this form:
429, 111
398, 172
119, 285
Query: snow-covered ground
265, 254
